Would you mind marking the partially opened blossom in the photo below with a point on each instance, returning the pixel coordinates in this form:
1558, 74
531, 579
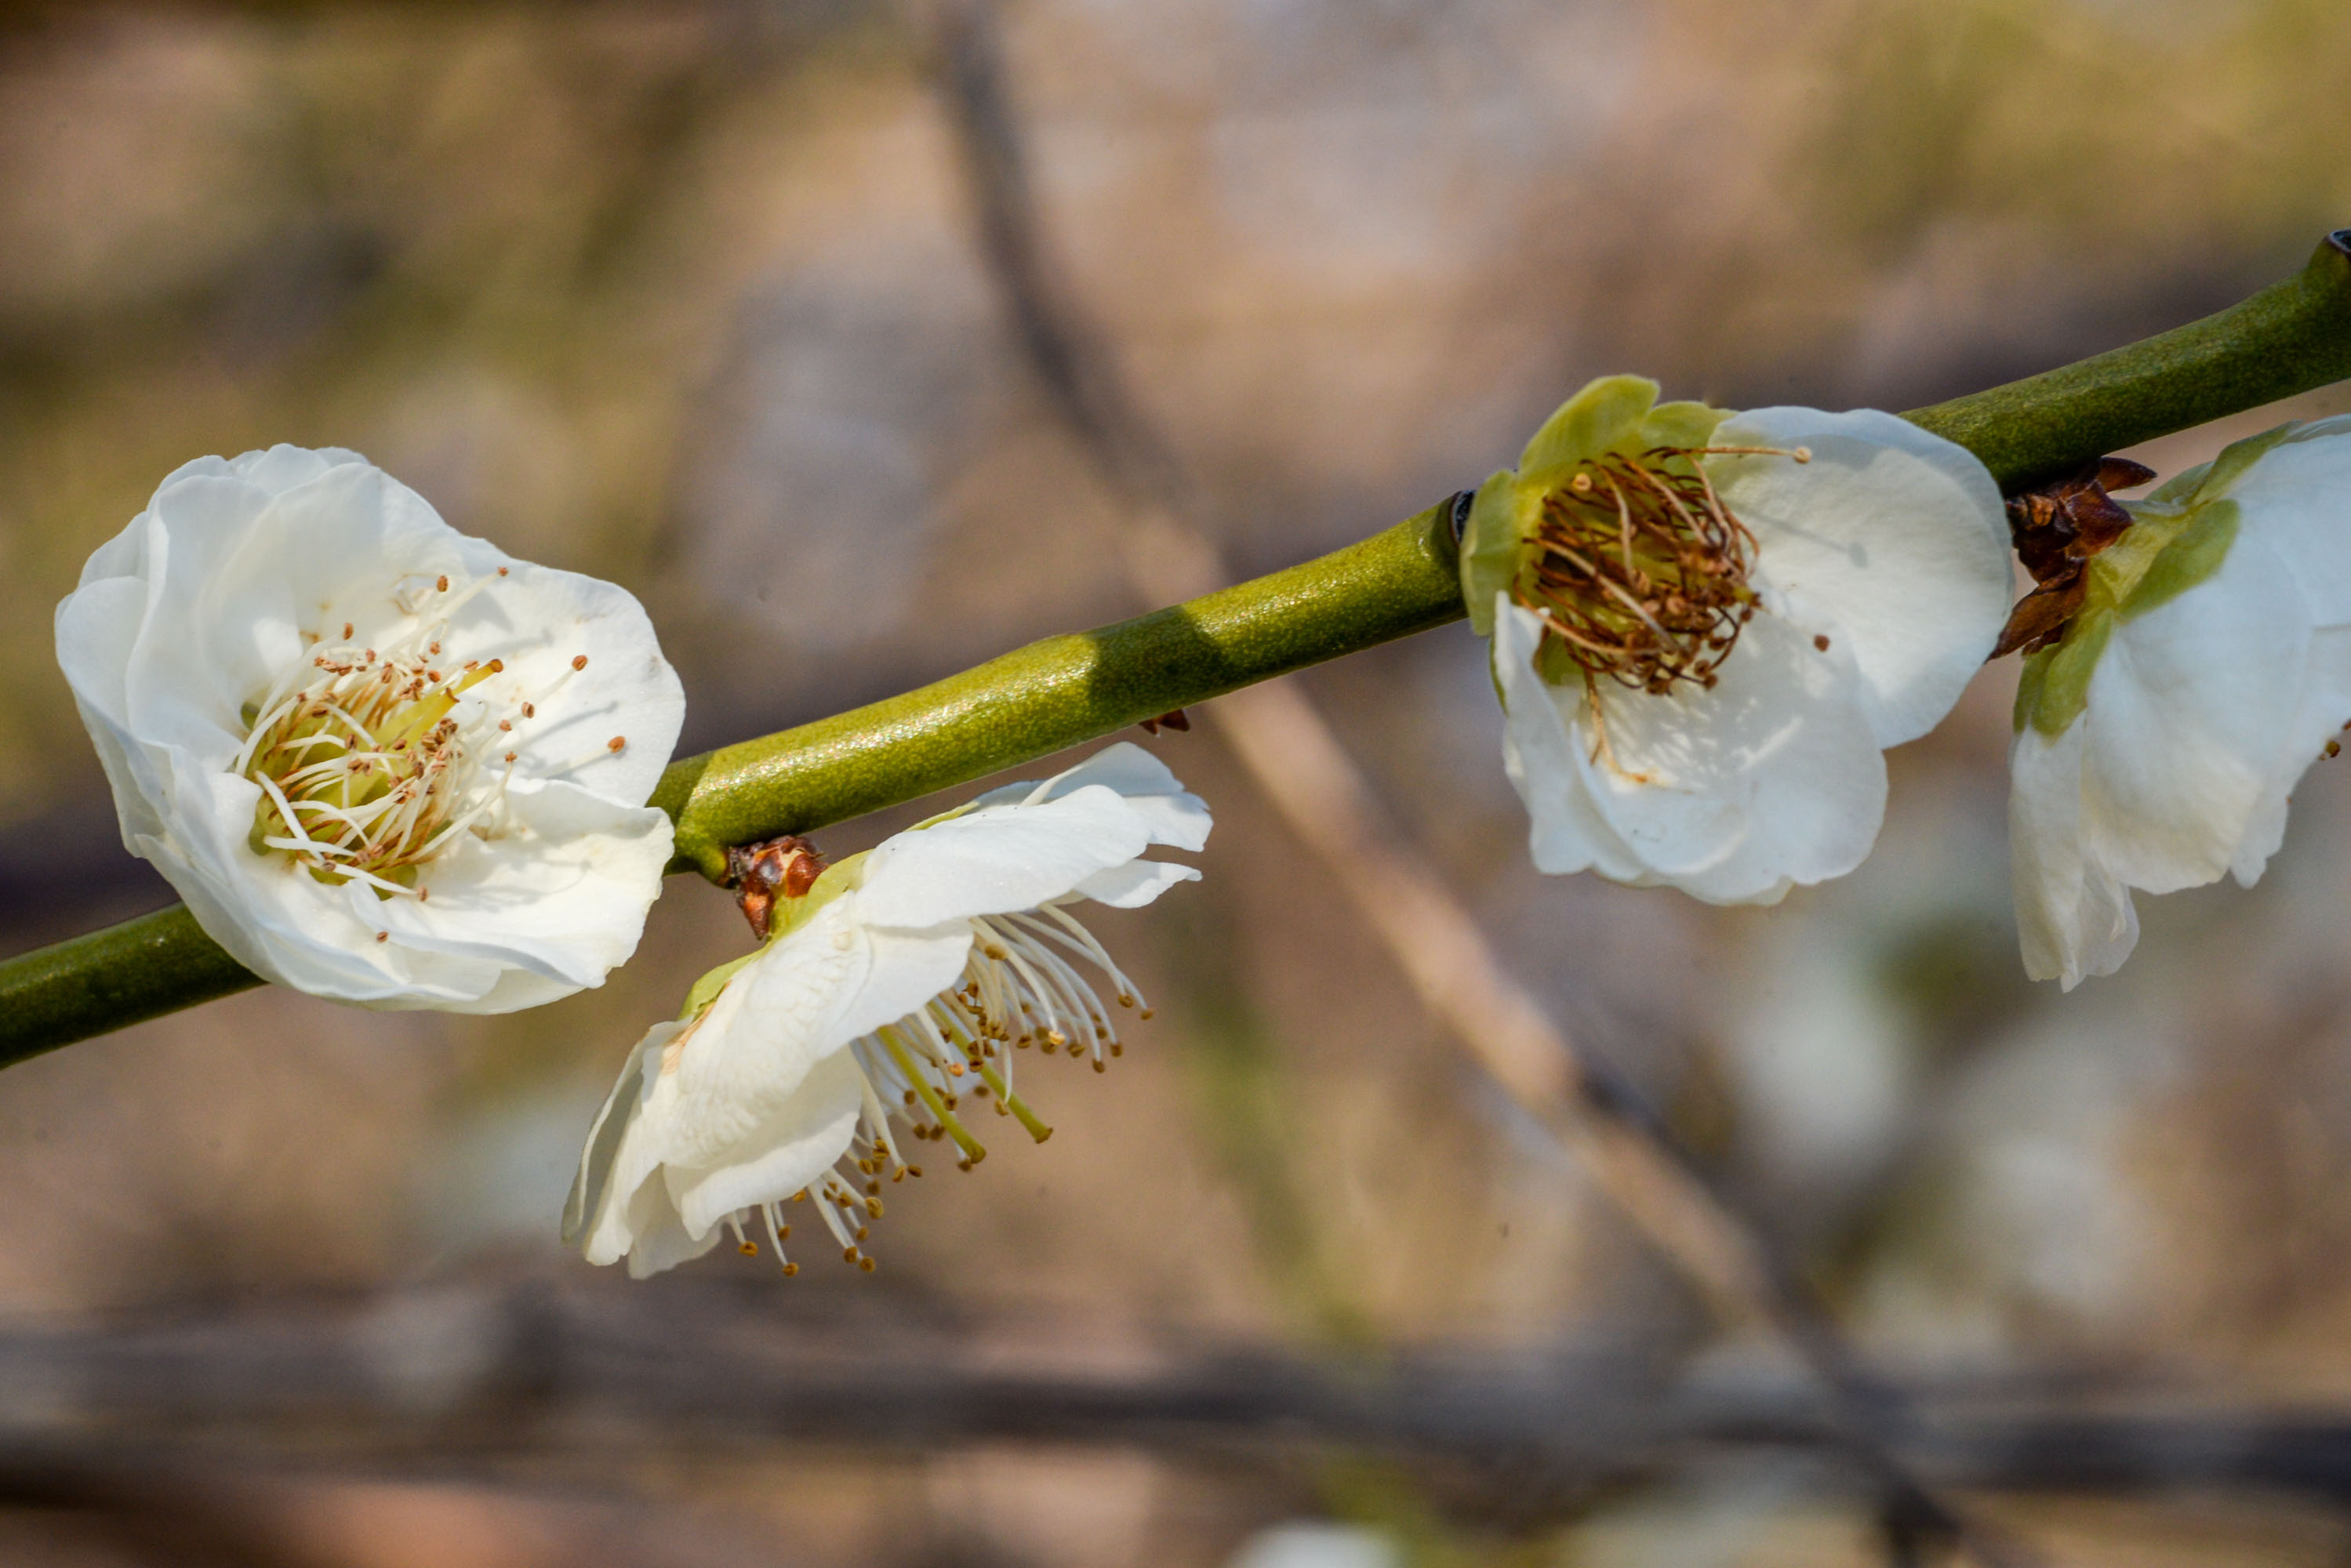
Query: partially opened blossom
1707, 626
900, 984
384, 762
2206, 663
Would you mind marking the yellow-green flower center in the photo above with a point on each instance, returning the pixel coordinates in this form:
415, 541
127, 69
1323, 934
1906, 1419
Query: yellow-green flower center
365, 773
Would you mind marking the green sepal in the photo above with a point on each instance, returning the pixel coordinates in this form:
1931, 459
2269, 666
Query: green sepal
2193, 554
1611, 413
2240, 455
2055, 687
706, 989
1489, 547
1605, 414
1690, 425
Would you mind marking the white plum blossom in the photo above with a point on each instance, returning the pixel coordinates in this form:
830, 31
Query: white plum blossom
902, 982
384, 762
1707, 628
2207, 665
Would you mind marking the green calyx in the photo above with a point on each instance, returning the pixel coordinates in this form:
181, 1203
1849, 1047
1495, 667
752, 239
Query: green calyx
788, 916
2179, 536
1613, 413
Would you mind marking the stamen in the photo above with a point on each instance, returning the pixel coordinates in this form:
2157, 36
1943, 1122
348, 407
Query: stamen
1639, 572
365, 776
1017, 988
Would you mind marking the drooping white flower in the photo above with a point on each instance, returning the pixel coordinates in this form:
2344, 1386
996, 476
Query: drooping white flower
2207, 665
384, 762
1708, 627
902, 983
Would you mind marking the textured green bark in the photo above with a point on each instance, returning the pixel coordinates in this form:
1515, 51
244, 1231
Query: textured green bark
1063, 691
1066, 690
111, 979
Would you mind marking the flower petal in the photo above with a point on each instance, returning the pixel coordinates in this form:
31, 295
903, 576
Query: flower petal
2296, 497
1772, 777
1000, 858
2190, 712
1135, 883
799, 1140
2074, 918
1890, 541
1177, 817
1544, 754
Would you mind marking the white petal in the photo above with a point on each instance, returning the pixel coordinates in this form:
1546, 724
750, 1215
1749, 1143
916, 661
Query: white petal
2073, 919
1000, 858
563, 892
1177, 817
1545, 757
798, 1142
593, 1215
96, 625
2296, 497
1772, 777
804, 1000
1135, 883
2191, 714
1890, 541
536, 622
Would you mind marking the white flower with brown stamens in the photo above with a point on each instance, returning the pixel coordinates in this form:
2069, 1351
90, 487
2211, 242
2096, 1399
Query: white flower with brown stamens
384, 762
2205, 664
1707, 626
904, 984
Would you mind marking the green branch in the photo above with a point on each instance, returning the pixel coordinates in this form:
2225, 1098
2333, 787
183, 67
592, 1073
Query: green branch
2290, 337
1064, 691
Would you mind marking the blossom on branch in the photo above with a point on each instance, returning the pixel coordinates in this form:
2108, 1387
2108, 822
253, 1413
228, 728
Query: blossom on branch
2162, 727
384, 762
900, 983
1707, 626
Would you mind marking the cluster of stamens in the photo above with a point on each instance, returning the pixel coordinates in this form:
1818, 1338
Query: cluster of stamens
1019, 991
368, 764
1638, 570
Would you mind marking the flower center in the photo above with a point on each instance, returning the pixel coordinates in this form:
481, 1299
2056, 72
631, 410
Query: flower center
1020, 989
1638, 570
369, 767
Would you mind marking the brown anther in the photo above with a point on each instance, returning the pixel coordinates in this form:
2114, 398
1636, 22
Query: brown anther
441, 583
580, 660
748, 1249
346, 631
433, 647
502, 572
2334, 749
1822, 641
1174, 718
789, 1269
866, 1264
506, 724
512, 755
383, 936
528, 711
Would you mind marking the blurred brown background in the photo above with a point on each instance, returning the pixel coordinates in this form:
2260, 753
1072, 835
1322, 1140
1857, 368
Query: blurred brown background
689, 295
